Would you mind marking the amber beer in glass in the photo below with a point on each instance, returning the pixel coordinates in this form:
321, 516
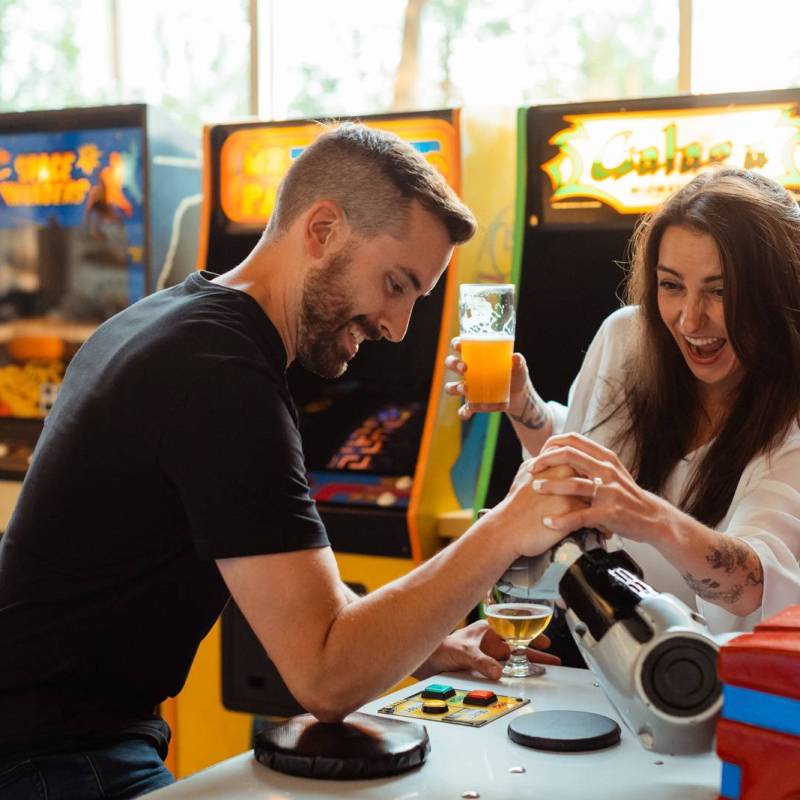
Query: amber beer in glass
517, 618
518, 623
486, 322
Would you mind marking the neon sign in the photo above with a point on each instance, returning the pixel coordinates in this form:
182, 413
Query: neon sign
632, 161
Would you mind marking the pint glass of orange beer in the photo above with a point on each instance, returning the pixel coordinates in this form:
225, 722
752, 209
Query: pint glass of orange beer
486, 320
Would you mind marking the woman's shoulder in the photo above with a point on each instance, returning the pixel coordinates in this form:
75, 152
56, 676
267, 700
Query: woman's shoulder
780, 462
616, 337
598, 392
607, 361
789, 445
621, 322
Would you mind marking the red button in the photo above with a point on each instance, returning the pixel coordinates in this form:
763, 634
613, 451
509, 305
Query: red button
479, 697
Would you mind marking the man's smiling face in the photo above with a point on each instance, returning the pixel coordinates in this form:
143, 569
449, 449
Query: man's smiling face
367, 291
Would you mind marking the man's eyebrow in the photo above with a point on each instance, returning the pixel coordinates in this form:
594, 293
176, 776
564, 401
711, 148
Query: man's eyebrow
709, 279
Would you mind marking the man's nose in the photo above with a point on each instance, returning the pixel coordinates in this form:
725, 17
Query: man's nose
394, 323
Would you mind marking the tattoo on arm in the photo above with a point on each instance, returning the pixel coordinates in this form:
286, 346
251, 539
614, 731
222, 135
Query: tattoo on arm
533, 414
710, 589
729, 556
736, 559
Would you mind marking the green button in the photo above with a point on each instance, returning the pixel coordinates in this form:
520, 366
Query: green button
438, 691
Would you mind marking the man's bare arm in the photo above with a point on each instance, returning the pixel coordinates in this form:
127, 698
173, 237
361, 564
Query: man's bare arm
336, 651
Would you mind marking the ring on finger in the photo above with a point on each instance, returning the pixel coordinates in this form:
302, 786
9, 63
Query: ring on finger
598, 482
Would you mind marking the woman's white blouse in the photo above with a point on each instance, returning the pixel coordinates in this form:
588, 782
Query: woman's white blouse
764, 512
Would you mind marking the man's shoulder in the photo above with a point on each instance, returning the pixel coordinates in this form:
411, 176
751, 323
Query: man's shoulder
196, 320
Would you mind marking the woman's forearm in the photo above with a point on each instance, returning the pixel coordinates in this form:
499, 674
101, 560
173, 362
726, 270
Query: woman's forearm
719, 568
531, 419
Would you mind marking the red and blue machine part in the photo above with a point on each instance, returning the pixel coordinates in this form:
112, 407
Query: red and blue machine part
758, 734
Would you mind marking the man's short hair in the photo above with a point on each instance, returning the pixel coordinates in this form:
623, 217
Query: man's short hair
373, 176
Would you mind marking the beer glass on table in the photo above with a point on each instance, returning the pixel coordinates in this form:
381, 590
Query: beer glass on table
518, 617
486, 322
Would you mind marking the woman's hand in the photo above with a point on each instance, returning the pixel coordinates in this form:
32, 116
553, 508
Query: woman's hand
718, 567
477, 647
614, 501
519, 384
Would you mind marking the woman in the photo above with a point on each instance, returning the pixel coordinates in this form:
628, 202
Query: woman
682, 425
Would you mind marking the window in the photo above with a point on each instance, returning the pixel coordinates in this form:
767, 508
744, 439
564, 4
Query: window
356, 57
192, 58
740, 47
188, 57
54, 53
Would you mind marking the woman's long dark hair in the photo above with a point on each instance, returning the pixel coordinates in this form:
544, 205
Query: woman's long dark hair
756, 226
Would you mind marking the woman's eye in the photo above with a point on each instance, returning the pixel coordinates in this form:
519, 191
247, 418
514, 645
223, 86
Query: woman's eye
718, 292
669, 286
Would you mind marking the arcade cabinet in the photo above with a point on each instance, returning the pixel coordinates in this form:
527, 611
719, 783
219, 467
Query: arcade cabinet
95, 203
384, 449
587, 173
98, 207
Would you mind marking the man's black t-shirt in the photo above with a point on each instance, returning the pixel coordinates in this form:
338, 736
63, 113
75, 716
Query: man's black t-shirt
173, 443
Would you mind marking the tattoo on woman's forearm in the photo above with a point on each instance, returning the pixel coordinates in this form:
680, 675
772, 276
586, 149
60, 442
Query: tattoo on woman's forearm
731, 557
710, 589
533, 415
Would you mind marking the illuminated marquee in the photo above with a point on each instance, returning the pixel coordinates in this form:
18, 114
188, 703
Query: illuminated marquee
632, 161
42, 179
253, 161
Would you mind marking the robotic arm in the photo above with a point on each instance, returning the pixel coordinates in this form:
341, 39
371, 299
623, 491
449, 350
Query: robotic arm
654, 656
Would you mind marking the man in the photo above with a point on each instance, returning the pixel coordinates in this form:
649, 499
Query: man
170, 474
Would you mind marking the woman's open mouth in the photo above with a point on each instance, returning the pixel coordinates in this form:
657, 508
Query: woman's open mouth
704, 350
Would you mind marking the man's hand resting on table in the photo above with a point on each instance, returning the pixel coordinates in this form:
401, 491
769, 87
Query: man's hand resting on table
477, 647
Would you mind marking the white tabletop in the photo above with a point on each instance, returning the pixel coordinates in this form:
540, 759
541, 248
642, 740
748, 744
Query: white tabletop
478, 760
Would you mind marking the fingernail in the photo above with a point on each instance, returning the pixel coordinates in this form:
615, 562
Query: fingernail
537, 485
461, 387
460, 365
548, 523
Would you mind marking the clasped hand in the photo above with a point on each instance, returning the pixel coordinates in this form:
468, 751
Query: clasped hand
613, 499
523, 512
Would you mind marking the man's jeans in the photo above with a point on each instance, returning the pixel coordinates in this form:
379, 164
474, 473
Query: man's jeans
119, 771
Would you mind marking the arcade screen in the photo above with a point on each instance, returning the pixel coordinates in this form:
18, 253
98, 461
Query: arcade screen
71, 252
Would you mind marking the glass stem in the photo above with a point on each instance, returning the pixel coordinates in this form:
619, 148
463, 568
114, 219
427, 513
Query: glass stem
519, 655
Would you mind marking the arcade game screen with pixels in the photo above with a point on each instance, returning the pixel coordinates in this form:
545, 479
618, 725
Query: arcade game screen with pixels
71, 244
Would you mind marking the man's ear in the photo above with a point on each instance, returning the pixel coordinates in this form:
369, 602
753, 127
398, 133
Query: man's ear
325, 228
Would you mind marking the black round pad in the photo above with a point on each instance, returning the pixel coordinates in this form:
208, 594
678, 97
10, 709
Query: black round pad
359, 747
679, 676
564, 731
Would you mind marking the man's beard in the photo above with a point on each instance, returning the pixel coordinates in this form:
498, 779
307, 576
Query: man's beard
325, 311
